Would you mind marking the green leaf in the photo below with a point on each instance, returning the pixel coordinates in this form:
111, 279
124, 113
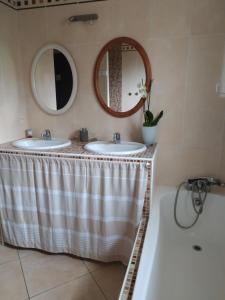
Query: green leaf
156, 120
149, 116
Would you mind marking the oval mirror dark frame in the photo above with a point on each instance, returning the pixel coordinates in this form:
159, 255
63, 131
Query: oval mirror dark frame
148, 73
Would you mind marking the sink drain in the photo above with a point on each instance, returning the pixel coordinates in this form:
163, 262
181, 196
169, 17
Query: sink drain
197, 248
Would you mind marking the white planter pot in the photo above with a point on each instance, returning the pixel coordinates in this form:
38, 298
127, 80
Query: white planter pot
149, 135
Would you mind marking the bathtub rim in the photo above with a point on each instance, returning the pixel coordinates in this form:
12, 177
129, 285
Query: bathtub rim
151, 238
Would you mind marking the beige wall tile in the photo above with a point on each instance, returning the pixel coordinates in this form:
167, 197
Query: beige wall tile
168, 57
59, 30
221, 172
130, 18
204, 112
203, 128
37, 33
169, 18
169, 65
13, 110
180, 67
185, 64
207, 16
177, 163
204, 70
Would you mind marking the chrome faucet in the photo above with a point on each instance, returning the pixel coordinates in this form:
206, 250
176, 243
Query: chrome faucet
214, 181
46, 134
199, 187
207, 181
116, 138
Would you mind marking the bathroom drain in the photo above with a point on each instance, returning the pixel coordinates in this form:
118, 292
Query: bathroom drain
197, 248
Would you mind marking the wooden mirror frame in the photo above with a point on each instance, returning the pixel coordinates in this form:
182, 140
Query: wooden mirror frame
148, 74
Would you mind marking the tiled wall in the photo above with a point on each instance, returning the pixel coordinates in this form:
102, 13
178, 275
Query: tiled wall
13, 117
184, 40
115, 77
30, 4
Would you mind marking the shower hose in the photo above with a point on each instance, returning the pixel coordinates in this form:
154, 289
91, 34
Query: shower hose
199, 190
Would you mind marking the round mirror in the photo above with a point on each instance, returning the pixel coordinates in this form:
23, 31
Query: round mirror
54, 79
121, 65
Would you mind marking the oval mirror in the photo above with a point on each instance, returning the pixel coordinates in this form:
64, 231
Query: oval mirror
120, 67
54, 79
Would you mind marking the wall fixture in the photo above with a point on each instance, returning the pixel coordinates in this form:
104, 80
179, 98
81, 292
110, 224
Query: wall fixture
83, 18
220, 87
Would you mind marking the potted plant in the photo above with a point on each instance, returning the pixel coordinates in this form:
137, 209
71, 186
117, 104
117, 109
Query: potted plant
150, 122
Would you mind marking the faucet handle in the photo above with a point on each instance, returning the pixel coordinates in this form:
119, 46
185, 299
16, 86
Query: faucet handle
116, 137
46, 134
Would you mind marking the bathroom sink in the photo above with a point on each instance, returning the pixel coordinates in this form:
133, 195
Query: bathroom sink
41, 144
110, 148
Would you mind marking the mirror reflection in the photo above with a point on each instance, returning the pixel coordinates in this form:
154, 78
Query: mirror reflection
53, 80
121, 70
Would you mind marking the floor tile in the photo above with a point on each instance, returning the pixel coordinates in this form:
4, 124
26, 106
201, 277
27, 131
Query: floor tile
110, 279
12, 286
25, 252
93, 265
7, 254
83, 288
43, 271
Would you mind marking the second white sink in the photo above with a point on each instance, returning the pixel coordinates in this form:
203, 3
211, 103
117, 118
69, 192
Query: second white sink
41, 144
110, 148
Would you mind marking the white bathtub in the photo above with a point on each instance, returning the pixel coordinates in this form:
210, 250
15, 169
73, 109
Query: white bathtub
170, 269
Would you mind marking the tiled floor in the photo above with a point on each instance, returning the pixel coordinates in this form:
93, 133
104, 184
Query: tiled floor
26, 274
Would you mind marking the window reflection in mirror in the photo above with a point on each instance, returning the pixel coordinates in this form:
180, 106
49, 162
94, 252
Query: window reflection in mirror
53, 79
121, 70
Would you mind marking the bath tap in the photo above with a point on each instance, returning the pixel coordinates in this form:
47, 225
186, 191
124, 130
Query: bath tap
116, 138
46, 134
199, 187
215, 181
209, 181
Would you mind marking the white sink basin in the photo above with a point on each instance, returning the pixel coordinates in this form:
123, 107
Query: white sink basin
41, 144
110, 148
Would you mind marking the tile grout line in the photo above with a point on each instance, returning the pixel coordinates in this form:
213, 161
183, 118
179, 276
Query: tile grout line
60, 284
92, 276
89, 272
55, 287
23, 275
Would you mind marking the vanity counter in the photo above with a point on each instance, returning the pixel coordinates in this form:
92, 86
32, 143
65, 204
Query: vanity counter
76, 154
76, 150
